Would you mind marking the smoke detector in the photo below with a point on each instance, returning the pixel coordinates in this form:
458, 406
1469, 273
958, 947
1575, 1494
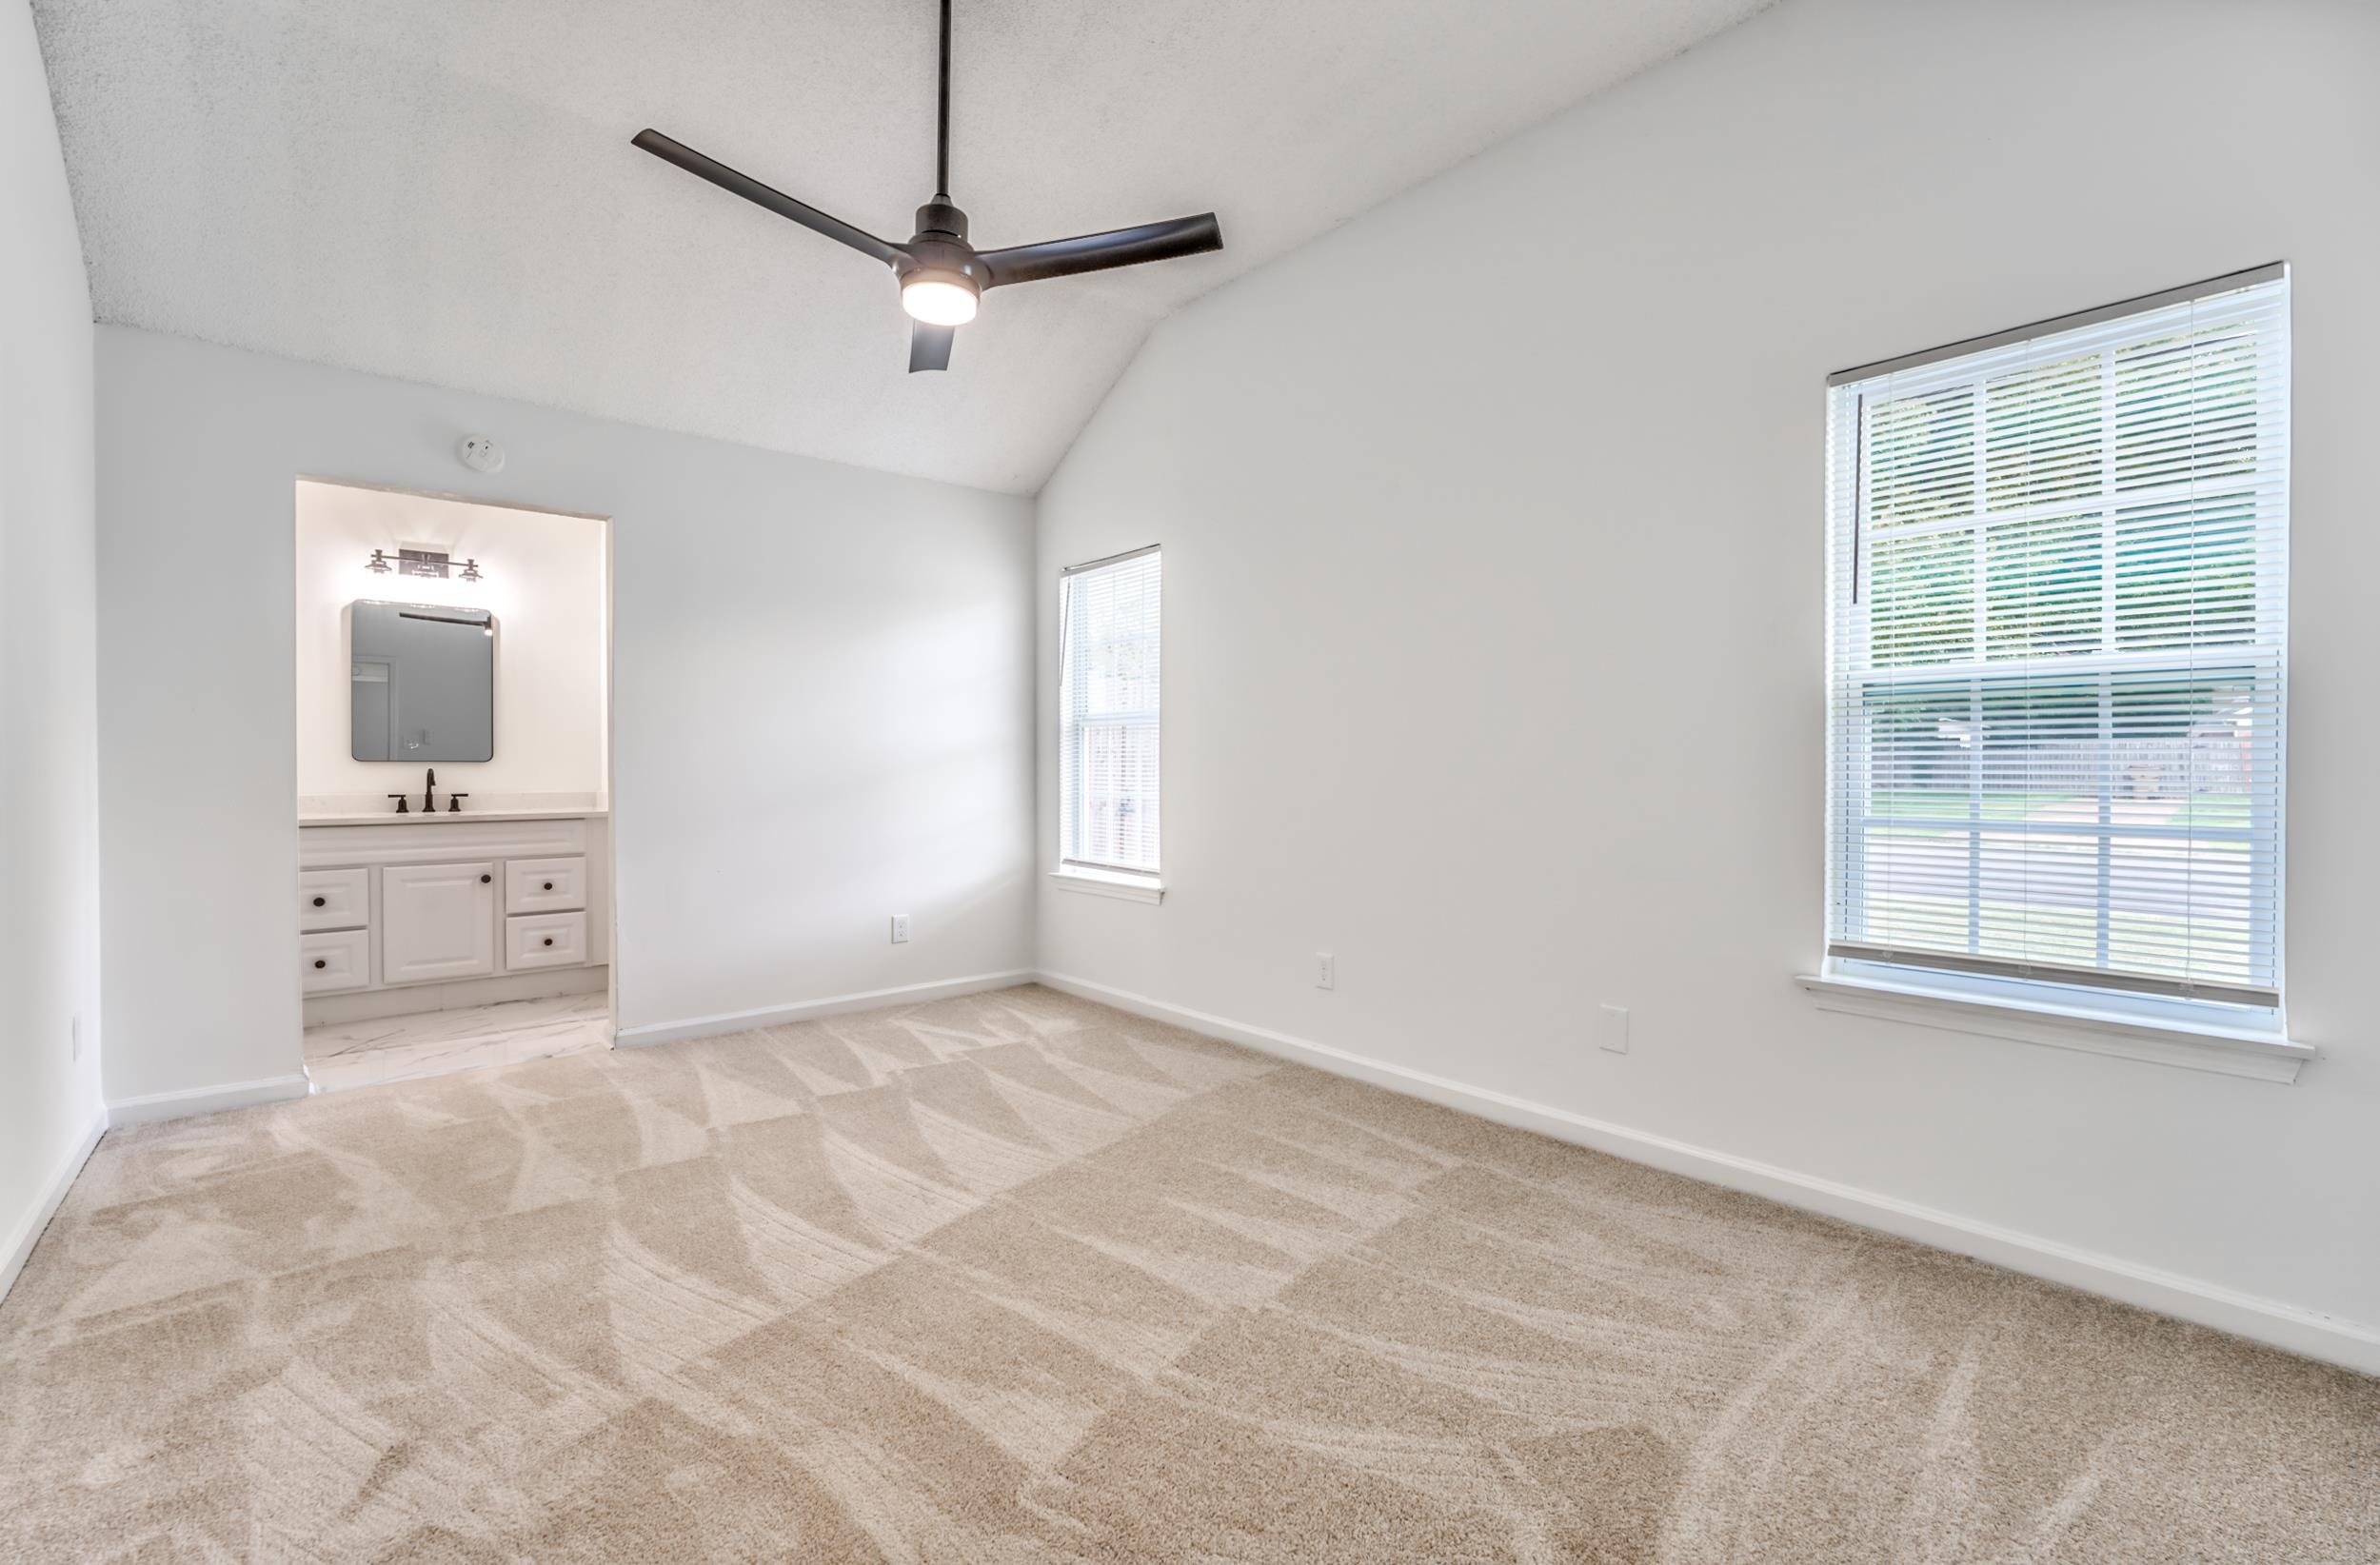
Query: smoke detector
481, 453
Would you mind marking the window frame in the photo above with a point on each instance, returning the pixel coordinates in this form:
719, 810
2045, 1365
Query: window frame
1073, 873
2216, 1032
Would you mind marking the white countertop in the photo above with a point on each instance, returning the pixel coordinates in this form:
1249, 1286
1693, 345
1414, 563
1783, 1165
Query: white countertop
391, 818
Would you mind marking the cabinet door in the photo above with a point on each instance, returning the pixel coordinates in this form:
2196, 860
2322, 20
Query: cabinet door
437, 921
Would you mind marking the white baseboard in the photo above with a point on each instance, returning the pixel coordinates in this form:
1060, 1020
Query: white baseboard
2348, 1343
773, 1016
28, 1231
178, 1105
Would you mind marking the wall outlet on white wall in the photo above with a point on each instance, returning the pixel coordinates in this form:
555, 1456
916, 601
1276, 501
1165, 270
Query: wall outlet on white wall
75, 1038
1325, 970
900, 930
1611, 1028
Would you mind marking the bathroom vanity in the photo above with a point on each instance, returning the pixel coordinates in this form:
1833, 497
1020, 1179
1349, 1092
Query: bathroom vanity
388, 901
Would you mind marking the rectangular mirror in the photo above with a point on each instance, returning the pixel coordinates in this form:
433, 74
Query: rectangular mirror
425, 683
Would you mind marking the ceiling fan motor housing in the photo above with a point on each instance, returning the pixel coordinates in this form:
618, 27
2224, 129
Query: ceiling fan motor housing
939, 249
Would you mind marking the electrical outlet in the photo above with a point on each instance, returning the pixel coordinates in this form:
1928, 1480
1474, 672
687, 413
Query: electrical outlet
900, 930
1325, 970
75, 1038
1611, 1029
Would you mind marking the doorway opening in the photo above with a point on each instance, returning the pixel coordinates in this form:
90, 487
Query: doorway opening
453, 666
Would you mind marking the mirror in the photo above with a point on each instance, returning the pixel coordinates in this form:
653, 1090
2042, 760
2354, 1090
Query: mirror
425, 684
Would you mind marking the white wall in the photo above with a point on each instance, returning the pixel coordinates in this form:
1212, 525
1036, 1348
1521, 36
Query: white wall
822, 695
542, 576
48, 799
1432, 489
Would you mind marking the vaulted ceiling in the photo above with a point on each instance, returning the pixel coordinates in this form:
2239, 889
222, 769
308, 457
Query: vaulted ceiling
443, 190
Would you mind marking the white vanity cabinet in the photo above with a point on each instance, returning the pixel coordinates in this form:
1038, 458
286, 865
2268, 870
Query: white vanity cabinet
437, 899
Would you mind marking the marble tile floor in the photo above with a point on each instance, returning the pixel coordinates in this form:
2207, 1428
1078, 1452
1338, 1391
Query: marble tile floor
399, 1048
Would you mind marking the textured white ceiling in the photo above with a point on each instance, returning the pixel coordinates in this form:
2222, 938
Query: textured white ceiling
443, 190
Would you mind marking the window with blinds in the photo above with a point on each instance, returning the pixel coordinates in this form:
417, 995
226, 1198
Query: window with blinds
2058, 571
1107, 706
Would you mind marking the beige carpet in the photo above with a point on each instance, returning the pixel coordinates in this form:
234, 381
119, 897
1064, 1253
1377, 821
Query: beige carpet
1016, 1277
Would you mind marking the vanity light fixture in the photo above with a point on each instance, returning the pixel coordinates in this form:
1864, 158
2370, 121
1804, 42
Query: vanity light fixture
422, 562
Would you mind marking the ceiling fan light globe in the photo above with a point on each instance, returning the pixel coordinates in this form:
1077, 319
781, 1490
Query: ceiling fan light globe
938, 302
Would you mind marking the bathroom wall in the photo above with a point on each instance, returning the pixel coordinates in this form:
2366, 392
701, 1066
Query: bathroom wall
542, 577
821, 704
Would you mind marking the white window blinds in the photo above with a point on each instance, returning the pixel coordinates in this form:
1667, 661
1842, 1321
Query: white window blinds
1107, 705
2058, 564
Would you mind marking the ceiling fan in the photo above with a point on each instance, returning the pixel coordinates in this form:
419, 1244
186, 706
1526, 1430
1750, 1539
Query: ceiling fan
942, 276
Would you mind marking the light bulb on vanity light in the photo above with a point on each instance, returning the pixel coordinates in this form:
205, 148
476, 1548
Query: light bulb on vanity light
938, 301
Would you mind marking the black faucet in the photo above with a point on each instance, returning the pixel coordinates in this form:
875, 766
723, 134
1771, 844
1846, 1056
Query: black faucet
429, 789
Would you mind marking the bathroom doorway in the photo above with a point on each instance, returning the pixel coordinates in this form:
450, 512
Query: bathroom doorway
453, 678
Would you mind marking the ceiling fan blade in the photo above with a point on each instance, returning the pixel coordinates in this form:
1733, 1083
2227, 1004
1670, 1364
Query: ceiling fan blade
1098, 251
929, 345
753, 190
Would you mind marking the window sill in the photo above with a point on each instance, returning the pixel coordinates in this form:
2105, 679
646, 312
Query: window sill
1131, 889
2264, 1057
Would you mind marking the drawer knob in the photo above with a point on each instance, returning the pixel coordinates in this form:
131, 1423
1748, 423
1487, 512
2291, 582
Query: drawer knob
485, 879
549, 885
320, 962
549, 940
318, 902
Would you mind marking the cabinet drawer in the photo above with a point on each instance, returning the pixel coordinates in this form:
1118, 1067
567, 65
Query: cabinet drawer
544, 940
338, 959
334, 899
545, 886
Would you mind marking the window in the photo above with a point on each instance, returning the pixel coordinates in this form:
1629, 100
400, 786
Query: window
1107, 717
2057, 571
